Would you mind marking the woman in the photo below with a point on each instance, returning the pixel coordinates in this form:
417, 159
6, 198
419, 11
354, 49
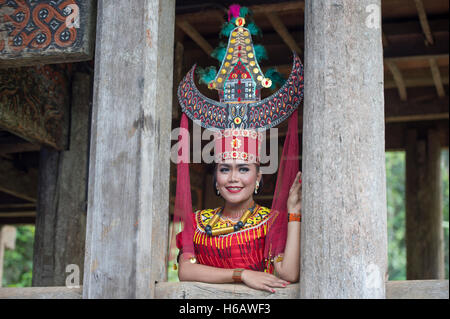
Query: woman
236, 182
237, 242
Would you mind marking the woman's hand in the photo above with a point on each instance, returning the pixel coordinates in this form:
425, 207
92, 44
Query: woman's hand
262, 280
294, 202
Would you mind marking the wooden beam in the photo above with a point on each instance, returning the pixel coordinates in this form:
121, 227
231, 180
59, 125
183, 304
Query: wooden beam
345, 216
17, 214
55, 39
417, 289
41, 293
437, 77
22, 184
281, 29
384, 39
18, 148
4, 207
411, 289
422, 105
416, 78
261, 9
398, 79
184, 25
279, 7
128, 208
424, 21
34, 104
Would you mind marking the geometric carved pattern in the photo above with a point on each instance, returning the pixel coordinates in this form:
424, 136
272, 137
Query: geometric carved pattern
45, 29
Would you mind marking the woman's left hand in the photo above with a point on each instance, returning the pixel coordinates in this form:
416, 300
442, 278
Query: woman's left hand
294, 202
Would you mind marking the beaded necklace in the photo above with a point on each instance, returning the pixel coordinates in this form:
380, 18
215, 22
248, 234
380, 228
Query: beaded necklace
227, 230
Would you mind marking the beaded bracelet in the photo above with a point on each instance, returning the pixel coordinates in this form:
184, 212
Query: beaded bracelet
294, 217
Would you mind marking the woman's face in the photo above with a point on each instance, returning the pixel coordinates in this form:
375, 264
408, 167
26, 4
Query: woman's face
236, 180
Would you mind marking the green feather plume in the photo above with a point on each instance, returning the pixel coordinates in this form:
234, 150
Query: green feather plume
227, 27
260, 52
254, 29
219, 52
206, 75
277, 78
243, 12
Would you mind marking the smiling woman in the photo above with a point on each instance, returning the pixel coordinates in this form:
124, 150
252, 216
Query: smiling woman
241, 241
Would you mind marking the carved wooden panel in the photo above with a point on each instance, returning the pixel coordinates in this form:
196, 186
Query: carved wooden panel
46, 31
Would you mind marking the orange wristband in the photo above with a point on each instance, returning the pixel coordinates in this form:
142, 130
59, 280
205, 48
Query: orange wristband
294, 217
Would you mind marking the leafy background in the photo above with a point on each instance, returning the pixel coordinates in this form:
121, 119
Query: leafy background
18, 263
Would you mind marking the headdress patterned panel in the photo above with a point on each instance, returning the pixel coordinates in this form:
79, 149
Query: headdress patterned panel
259, 115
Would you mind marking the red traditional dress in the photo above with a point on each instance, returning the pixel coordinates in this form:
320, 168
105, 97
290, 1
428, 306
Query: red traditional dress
241, 249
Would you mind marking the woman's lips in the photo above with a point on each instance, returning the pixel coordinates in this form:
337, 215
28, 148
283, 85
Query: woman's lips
234, 189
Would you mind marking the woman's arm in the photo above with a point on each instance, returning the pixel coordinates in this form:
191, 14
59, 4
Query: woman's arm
289, 267
214, 275
198, 272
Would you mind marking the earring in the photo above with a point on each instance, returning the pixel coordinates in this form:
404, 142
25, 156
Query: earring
256, 188
217, 189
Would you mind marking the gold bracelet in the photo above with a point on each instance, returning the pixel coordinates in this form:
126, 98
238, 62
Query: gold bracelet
237, 275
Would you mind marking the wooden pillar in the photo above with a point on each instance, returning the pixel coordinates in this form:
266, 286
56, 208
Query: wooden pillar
127, 226
424, 232
62, 204
344, 234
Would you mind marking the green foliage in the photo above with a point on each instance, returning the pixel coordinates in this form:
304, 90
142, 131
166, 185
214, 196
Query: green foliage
395, 183
18, 263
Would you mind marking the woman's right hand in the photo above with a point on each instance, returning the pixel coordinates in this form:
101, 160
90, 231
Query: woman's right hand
262, 280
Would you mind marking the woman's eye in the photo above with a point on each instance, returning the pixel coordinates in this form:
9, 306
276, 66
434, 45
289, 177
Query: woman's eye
223, 170
244, 169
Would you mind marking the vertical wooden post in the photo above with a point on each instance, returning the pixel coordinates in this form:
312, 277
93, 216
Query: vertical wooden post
344, 235
126, 242
424, 232
62, 204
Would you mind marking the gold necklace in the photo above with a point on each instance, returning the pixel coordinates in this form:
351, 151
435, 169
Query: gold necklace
227, 230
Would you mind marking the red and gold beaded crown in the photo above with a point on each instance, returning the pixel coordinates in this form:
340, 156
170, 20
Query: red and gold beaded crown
240, 115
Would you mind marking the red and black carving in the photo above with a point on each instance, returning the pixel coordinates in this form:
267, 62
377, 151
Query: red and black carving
34, 24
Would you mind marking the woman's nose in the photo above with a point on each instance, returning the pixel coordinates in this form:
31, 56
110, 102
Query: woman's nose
233, 176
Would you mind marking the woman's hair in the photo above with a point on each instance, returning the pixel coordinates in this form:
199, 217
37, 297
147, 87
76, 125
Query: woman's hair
215, 165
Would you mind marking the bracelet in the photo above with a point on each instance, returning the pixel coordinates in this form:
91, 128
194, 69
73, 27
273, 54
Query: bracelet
237, 275
294, 217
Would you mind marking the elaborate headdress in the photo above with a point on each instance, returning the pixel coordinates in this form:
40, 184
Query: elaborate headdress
239, 117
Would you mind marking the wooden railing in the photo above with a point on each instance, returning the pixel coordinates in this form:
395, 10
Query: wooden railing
410, 289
